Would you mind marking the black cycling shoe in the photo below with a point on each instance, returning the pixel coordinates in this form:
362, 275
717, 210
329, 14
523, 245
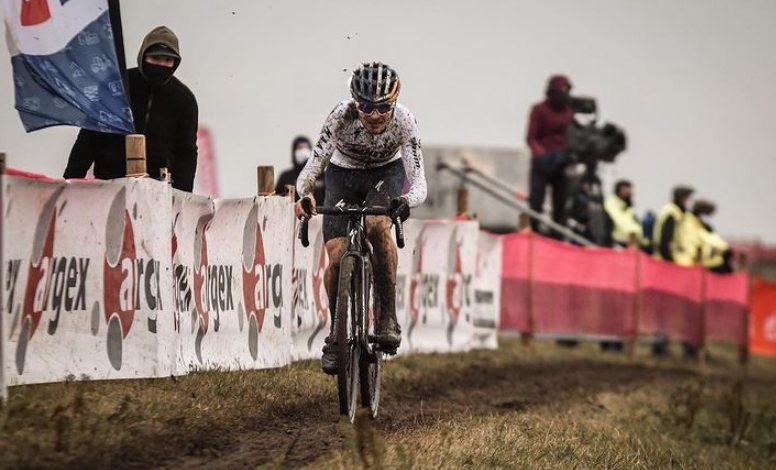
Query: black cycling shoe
329, 362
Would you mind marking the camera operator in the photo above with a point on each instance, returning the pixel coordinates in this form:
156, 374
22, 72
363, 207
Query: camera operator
548, 124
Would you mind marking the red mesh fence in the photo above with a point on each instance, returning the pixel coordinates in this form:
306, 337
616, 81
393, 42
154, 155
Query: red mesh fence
583, 291
554, 288
515, 286
727, 307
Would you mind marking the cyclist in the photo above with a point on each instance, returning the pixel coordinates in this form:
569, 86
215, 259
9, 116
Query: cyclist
368, 146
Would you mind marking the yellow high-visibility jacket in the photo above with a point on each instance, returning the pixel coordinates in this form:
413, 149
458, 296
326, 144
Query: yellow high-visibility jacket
624, 220
672, 211
690, 234
704, 246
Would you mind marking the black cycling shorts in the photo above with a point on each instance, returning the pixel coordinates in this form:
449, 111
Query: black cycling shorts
372, 187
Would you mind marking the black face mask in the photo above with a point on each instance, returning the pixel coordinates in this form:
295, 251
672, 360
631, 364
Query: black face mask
558, 99
157, 75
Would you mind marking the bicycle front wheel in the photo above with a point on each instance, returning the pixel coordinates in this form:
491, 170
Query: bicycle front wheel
348, 352
369, 378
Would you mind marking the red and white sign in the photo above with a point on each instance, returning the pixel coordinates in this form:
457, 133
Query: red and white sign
206, 180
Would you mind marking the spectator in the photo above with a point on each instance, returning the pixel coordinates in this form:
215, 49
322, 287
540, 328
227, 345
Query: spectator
648, 229
706, 247
547, 141
666, 243
301, 150
626, 228
164, 109
626, 231
666, 246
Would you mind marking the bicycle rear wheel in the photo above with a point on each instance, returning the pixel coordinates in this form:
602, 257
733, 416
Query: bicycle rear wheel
348, 352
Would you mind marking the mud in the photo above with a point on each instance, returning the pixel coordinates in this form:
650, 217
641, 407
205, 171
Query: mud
417, 395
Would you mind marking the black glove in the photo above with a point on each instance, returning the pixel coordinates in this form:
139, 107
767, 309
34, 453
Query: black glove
399, 208
307, 205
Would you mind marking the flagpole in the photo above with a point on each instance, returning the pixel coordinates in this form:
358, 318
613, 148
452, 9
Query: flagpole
3, 313
114, 11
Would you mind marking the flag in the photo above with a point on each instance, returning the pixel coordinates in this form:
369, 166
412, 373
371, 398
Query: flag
65, 65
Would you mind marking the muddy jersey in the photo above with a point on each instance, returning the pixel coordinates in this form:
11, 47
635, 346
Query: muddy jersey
346, 143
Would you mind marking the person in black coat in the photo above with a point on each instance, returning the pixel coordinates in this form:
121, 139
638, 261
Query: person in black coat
163, 108
301, 150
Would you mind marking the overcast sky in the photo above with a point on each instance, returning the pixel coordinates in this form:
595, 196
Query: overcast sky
692, 82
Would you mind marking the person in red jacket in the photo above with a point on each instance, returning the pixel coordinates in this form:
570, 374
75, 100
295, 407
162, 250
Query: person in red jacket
547, 140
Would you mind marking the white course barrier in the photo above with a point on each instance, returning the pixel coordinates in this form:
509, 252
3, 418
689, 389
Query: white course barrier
310, 314
87, 280
129, 278
487, 290
233, 266
436, 269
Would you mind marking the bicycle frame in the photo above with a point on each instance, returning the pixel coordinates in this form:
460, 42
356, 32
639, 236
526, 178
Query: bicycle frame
354, 334
358, 250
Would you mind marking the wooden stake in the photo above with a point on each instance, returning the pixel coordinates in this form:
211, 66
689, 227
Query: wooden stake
633, 241
265, 179
523, 222
703, 348
462, 202
136, 156
291, 191
527, 336
743, 349
637, 299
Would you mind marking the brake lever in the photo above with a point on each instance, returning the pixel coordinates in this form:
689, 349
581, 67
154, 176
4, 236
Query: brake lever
399, 232
303, 235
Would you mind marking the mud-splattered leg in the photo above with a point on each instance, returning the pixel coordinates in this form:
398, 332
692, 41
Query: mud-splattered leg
385, 261
336, 248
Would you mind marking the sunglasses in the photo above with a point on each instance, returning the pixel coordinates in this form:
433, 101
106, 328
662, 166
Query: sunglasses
369, 108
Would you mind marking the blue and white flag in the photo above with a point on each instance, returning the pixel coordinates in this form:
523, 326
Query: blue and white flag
65, 66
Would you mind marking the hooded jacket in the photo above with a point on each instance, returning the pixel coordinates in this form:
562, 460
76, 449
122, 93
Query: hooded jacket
547, 125
289, 177
166, 114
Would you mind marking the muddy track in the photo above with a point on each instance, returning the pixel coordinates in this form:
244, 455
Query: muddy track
296, 435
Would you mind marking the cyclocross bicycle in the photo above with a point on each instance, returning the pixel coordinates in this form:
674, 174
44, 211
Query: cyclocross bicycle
359, 356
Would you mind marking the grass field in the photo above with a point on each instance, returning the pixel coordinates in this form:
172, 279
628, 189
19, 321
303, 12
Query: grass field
538, 407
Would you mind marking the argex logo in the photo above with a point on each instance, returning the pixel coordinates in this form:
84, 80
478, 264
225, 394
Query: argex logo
424, 287
262, 281
457, 287
130, 282
301, 299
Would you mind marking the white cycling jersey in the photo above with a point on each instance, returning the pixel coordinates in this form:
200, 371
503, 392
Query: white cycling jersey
345, 142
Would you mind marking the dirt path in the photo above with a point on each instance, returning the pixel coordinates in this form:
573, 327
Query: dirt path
423, 394
456, 407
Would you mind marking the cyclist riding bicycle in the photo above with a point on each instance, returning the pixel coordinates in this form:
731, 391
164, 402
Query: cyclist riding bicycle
368, 146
